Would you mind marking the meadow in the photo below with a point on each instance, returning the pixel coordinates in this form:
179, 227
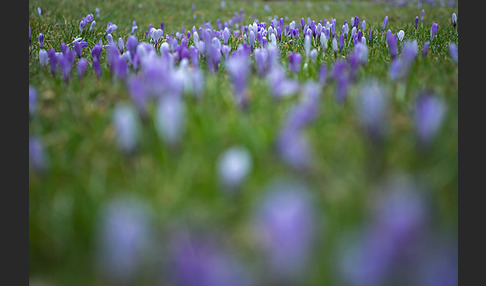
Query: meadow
243, 142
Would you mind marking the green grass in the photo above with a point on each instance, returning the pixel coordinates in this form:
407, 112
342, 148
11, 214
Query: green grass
86, 169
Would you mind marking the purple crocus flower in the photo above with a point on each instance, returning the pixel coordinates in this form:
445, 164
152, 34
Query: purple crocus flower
32, 100
251, 39
110, 28
370, 35
261, 61
43, 57
285, 224
39, 11
92, 26
341, 42
385, 22
295, 60
37, 154
372, 108
123, 239
121, 45
425, 49
197, 258
454, 19
238, 69
132, 43
41, 40
323, 74
82, 66
78, 49
433, 31
136, 90
126, 125
170, 119
64, 48
96, 52
52, 60
422, 13
428, 117
392, 44
97, 10
453, 52
416, 22
30, 36
97, 67
66, 64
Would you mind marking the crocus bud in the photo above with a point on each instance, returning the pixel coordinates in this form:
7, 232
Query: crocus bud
121, 45
78, 49
385, 22
170, 119
37, 155
370, 35
428, 116
41, 40
454, 19
43, 57
453, 52
82, 66
372, 108
425, 49
126, 125
295, 60
422, 13
433, 31
334, 45
307, 46
400, 35
416, 22
226, 35
52, 60
32, 100
341, 42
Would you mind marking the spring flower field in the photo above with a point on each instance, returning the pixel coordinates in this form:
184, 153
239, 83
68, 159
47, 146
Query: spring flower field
243, 142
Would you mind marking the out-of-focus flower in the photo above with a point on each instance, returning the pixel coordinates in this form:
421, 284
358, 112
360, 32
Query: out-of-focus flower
422, 13
123, 239
52, 60
82, 66
196, 258
233, 167
97, 12
66, 64
341, 42
126, 125
373, 110
39, 11
295, 60
121, 45
334, 46
37, 155
453, 52
170, 119
97, 67
429, 113
134, 28
92, 26
286, 227
392, 44
238, 69
425, 49
43, 57
433, 31
32, 100
416, 22
454, 19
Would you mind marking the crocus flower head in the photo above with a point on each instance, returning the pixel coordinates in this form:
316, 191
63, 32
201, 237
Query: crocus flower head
429, 113
82, 66
341, 42
43, 57
32, 100
400, 35
233, 167
78, 49
285, 225
238, 69
425, 49
170, 119
122, 239
416, 22
422, 13
41, 40
37, 155
126, 125
372, 108
295, 60
52, 60
454, 19
385, 22
392, 45
453, 52
433, 31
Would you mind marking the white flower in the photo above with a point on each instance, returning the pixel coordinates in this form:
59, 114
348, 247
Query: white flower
43, 57
400, 35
